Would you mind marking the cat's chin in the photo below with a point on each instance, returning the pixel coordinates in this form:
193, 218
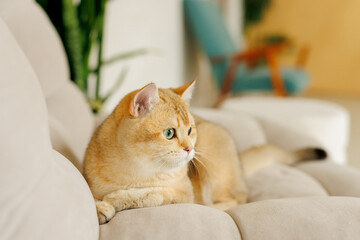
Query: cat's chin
190, 156
179, 162
177, 165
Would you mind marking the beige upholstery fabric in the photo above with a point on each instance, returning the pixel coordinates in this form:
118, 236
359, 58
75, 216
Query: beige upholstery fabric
279, 181
43, 196
336, 180
38, 40
70, 119
311, 218
177, 221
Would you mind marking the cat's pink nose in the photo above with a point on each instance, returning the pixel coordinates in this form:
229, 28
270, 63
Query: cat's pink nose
188, 149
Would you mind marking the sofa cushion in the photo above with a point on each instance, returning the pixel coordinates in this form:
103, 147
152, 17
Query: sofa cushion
71, 123
337, 180
176, 221
280, 181
43, 196
299, 218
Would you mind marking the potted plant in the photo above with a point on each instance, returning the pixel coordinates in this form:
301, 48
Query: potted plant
81, 26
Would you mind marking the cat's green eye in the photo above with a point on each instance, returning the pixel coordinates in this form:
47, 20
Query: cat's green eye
189, 131
169, 133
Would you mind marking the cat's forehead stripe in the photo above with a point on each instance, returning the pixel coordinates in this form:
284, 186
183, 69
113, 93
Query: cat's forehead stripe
172, 100
163, 99
178, 122
183, 114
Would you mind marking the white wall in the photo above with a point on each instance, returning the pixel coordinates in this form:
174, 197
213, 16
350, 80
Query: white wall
135, 24
158, 25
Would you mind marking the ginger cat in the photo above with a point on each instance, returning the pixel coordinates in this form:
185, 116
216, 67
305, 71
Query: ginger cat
151, 151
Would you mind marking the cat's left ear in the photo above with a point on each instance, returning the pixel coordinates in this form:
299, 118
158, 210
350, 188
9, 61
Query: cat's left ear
186, 91
144, 100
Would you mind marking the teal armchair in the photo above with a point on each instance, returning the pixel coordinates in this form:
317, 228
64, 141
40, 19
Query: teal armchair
230, 68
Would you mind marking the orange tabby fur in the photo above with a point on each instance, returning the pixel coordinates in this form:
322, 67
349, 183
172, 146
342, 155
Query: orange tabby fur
129, 162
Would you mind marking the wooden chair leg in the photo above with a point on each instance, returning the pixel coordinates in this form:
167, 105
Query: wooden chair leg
221, 98
228, 82
276, 77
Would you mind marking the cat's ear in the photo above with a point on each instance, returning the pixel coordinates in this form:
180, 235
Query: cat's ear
144, 100
186, 91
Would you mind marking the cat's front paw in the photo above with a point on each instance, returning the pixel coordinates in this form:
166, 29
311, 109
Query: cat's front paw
105, 211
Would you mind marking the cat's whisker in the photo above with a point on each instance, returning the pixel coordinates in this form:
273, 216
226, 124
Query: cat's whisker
198, 160
157, 157
157, 154
203, 155
193, 163
207, 158
162, 164
201, 152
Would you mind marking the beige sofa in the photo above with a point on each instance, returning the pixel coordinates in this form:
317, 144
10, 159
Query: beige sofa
45, 127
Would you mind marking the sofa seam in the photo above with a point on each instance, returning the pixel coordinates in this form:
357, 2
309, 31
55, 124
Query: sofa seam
236, 224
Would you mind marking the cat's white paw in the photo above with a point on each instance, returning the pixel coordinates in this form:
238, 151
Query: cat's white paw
105, 211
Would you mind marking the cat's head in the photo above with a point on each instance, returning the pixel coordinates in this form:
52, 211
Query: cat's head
156, 127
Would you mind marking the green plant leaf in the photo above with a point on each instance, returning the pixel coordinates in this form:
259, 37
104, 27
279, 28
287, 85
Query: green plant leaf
100, 8
126, 55
254, 10
43, 3
95, 105
73, 42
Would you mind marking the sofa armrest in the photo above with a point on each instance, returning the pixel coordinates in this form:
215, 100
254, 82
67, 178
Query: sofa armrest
42, 195
297, 122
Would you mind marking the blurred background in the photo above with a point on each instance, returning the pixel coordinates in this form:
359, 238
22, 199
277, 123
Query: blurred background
117, 46
332, 31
